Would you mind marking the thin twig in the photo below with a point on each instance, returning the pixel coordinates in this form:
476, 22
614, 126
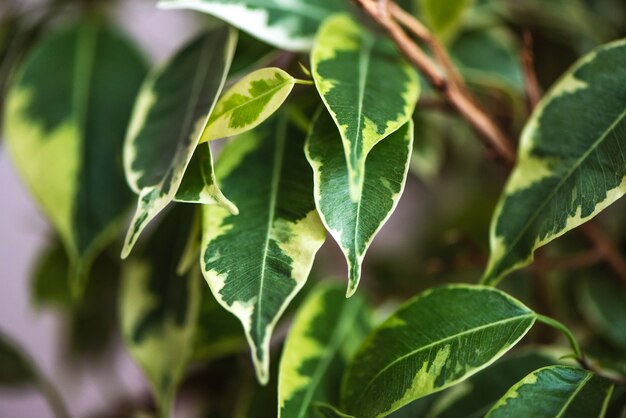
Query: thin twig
459, 97
531, 85
456, 95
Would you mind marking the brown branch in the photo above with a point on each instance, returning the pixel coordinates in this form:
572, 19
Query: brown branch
605, 246
531, 85
456, 95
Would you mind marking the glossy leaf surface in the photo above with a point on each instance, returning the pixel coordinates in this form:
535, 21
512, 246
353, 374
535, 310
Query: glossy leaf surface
355, 71
434, 341
571, 164
355, 223
256, 262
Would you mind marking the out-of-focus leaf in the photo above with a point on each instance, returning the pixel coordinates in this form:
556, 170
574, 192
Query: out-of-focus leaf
571, 164
436, 340
428, 150
603, 303
257, 261
16, 370
289, 25
66, 114
444, 16
170, 115
325, 410
159, 308
321, 326
553, 392
354, 223
50, 284
354, 71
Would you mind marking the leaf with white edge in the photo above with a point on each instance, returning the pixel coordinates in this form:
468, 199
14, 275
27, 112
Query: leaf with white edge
436, 340
571, 164
66, 114
603, 304
257, 261
555, 392
444, 16
248, 103
475, 396
355, 71
355, 223
321, 326
289, 25
170, 114
159, 308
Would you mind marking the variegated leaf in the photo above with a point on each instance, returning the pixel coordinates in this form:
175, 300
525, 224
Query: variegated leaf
65, 118
555, 392
366, 85
289, 25
257, 261
248, 103
314, 350
170, 115
354, 223
572, 161
159, 309
434, 341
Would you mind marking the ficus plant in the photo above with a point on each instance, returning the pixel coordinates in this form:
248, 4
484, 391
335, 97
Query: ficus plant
190, 199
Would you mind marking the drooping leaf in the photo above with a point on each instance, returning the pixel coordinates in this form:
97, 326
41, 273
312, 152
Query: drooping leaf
444, 16
355, 71
289, 25
353, 223
555, 392
170, 114
257, 261
434, 341
16, 370
474, 397
159, 308
603, 304
572, 161
66, 114
50, 279
321, 326
248, 103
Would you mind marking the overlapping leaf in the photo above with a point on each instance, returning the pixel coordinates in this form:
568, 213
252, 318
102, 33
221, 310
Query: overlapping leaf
170, 116
353, 223
159, 308
289, 25
572, 161
248, 103
313, 349
257, 261
66, 114
555, 392
434, 341
603, 303
368, 88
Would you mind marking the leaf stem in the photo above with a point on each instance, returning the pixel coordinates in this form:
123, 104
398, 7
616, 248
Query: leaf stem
303, 82
56, 402
568, 334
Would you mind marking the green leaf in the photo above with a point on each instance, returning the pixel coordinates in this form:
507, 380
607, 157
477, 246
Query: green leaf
572, 161
15, 368
159, 309
289, 25
603, 304
474, 397
66, 114
434, 341
354, 72
444, 16
325, 410
248, 103
50, 284
353, 223
321, 326
257, 261
170, 114
553, 392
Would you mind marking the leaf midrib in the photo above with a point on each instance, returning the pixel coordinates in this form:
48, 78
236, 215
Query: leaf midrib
362, 71
575, 167
573, 395
348, 312
439, 342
